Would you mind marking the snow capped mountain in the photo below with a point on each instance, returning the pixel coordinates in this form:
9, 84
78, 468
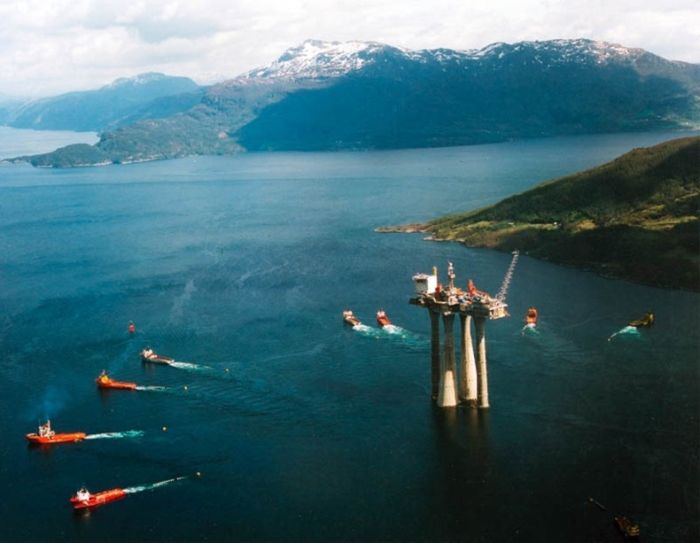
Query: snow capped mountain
315, 59
324, 95
140, 79
565, 51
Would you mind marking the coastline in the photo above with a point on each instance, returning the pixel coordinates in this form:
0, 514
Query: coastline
604, 269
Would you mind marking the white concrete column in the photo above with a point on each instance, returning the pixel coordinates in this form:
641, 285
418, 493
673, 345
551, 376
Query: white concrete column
447, 394
483, 385
467, 369
434, 353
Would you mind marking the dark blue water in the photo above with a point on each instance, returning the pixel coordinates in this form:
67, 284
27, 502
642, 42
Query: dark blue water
302, 428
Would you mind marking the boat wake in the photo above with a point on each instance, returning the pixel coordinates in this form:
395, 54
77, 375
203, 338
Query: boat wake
629, 331
153, 388
152, 486
365, 330
393, 332
530, 329
189, 366
116, 435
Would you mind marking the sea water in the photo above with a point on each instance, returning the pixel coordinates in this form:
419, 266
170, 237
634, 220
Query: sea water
305, 428
16, 142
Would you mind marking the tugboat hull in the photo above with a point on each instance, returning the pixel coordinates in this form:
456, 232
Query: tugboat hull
57, 438
628, 528
100, 498
121, 385
646, 320
382, 319
350, 319
157, 359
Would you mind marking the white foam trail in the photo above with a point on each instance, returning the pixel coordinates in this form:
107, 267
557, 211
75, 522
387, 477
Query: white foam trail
150, 387
153, 486
530, 329
392, 332
366, 330
116, 435
189, 366
627, 330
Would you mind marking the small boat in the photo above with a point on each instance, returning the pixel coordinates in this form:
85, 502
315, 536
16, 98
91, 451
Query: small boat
46, 436
104, 381
349, 318
628, 528
646, 320
83, 499
148, 355
382, 319
531, 317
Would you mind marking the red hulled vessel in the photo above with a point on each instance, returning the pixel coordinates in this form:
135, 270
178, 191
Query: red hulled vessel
382, 319
46, 436
104, 381
83, 499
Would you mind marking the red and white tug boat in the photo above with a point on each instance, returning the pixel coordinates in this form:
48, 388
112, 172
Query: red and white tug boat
46, 436
83, 499
350, 318
382, 319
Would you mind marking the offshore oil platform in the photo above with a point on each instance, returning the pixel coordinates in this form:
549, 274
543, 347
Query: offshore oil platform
471, 305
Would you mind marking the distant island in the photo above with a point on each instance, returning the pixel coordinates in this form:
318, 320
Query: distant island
369, 95
634, 218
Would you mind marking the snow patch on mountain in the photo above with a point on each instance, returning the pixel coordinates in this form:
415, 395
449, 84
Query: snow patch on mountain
316, 59
140, 79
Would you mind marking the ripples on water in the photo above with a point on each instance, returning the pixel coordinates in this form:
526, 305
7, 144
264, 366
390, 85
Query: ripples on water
306, 428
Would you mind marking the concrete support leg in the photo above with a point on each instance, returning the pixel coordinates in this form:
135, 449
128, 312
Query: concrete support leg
467, 369
434, 353
480, 326
447, 394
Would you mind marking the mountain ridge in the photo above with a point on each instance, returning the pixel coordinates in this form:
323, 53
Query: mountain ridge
101, 108
364, 95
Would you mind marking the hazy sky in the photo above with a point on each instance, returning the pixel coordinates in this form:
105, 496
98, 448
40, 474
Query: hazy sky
53, 46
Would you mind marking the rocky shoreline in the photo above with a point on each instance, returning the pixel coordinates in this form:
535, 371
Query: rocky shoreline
413, 228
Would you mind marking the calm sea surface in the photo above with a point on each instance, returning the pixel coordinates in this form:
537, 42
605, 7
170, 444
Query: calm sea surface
19, 142
302, 428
